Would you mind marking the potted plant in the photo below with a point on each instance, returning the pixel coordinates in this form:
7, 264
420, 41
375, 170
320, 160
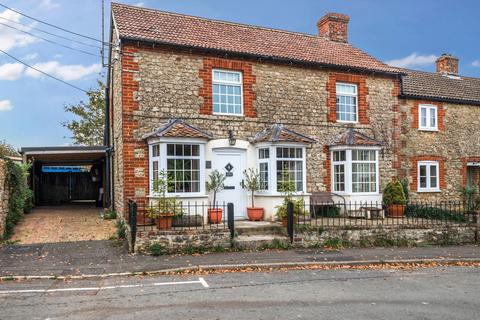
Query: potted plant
166, 207
394, 199
216, 184
287, 188
252, 184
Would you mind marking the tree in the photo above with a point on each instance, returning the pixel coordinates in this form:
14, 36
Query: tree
7, 150
88, 128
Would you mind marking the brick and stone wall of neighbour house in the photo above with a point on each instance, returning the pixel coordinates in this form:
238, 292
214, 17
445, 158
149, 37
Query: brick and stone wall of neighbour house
3, 198
453, 145
160, 83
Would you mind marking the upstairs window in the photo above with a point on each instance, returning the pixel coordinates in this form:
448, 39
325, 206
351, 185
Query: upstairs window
427, 117
428, 176
347, 102
227, 92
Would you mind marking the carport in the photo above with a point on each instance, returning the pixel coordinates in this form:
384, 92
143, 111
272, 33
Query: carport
67, 175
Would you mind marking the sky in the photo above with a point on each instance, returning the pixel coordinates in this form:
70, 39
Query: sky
405, 33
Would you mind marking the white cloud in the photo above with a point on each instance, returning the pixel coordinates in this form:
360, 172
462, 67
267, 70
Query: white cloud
11, 71
64, 72
476, 63
140, 4
31, 56
11, 38
5, 105
413, 60
48, 4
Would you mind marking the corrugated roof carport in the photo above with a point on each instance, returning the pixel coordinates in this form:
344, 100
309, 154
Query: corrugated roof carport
66, 187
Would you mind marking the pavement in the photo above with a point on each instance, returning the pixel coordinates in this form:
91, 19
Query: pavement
95, 258
441, 293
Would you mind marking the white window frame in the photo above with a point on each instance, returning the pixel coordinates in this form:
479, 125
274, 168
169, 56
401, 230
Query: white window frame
262, 161
162, 164
341, 163
349, 171
229, 83
428, 165
272, 167
429, 108
348, 95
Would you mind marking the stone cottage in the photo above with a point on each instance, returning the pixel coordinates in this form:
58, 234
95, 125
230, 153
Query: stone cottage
189, 95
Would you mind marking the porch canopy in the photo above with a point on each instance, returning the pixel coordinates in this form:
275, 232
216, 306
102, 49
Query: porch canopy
66, 174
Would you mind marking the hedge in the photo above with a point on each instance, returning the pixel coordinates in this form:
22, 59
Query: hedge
434, 213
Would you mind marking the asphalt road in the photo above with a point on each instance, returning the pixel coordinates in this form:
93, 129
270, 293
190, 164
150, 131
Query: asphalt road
439, 293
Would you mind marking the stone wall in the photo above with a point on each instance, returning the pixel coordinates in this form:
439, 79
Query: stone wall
382, 237
169, 85
452, 146
3, 198
179, 241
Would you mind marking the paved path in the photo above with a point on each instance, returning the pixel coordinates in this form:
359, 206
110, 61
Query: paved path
63, 223
438, 293
99, 257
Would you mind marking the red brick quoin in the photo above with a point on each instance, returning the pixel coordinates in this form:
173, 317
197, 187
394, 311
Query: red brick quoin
414, 170
360, 81
129, 104
440, 113
327, 178
248, 81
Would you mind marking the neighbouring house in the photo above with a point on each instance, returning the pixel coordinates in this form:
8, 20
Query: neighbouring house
188, 95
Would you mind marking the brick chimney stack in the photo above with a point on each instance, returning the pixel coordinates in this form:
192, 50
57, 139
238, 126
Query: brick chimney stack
334, 26
448, 64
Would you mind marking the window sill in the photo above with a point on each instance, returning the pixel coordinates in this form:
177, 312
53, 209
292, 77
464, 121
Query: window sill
428, 130
280, 195
177, 196
228, 114
348, 122
429, 191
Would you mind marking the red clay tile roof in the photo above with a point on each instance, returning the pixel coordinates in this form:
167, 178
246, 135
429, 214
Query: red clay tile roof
436, 86
352, 137
150, 25
179, 129
278, 133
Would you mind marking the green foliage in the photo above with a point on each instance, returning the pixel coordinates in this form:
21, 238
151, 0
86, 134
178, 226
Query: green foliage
298, 208
20, 195
216, 183
156, 249
252, 182
405, 186
434, 213
471, 197
110, 214
193, 250
328, 211
219, 248
27, 208
88, 127
393, 193
164, 205
336, 243
7, 150
121, 229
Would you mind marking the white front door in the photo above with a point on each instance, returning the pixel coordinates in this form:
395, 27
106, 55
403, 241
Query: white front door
232, 163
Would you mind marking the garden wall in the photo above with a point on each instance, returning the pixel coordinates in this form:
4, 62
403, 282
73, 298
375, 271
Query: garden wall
3, 197
385, 236
180, 241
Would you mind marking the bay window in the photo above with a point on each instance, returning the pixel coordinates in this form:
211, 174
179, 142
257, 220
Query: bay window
355, 171
182, 163
279, 165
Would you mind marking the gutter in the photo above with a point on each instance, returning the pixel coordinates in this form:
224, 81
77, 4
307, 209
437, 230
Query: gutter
439, 99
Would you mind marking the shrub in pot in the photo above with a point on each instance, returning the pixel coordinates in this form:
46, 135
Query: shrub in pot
252, 184
165, 208
287, 188
394, 199
215, 184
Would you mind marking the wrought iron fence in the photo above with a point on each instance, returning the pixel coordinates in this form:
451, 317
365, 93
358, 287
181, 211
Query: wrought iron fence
179, 215
375, 214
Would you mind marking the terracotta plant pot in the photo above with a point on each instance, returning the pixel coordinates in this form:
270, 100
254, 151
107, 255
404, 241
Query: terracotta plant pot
396, 210
255, 214
144, 220
215, 215
284, 222
165, 221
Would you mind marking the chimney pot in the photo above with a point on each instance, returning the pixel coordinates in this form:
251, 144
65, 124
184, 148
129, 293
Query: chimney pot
334, 26
447, 63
